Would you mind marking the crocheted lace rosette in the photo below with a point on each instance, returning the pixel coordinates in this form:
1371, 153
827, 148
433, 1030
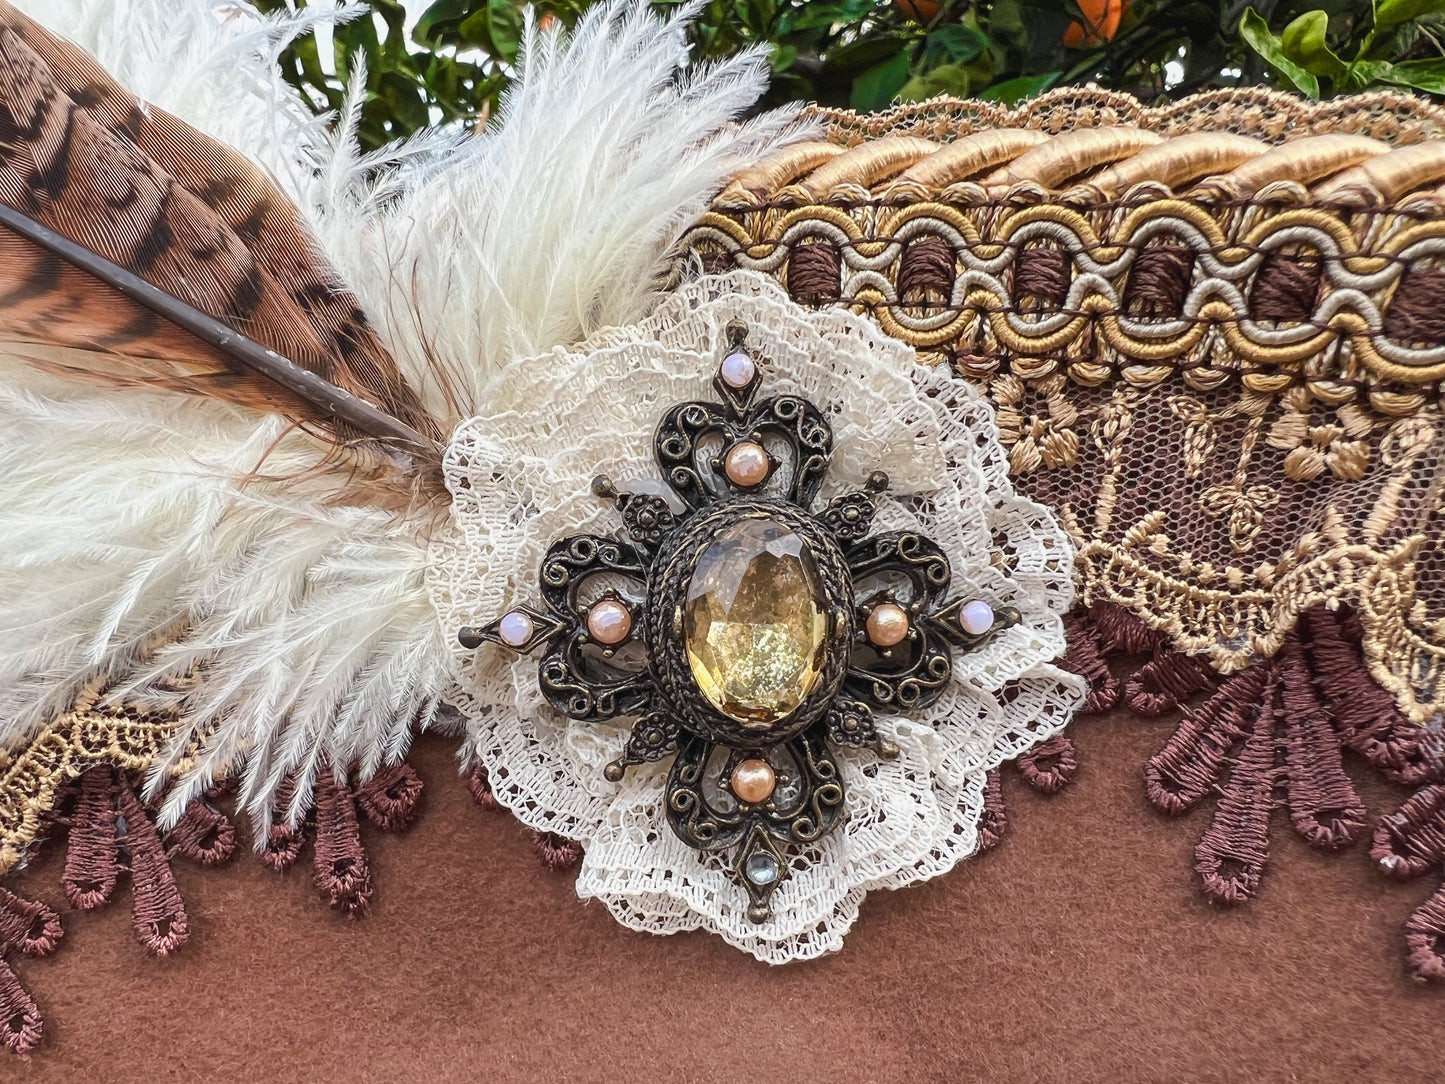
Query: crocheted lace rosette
520, 478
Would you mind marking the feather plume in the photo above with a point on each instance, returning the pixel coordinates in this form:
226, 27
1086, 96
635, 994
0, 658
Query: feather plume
292, 620
246, 200
309, 621
556, 219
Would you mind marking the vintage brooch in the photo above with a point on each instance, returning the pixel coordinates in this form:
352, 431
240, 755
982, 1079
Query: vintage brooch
745, 632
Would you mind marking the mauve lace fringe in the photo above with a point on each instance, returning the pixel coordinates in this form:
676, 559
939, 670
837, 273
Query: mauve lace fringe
30, 929
1409, 843
111, 832
389, 800
1159, 684
1167, 678
1273, 735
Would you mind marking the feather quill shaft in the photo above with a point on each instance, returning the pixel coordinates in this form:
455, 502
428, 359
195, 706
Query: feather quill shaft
333, 401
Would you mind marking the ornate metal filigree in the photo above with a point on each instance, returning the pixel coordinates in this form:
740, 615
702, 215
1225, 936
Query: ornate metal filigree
612, 627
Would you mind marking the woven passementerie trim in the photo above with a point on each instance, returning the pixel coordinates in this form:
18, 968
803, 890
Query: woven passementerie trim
1212, 332
1165, 287
1275, 735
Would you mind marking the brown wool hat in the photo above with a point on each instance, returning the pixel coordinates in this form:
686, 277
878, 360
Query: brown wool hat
1007, 537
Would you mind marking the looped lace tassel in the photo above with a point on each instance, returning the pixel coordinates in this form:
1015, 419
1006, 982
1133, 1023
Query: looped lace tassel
389, 800
1231, 854
30, 929
1049, 766
1408, 843
21, 1024
111, 830
1267, 732
1365, 714
481, 789
557, 853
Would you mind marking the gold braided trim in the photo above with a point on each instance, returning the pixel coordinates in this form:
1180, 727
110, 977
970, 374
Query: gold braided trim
1270, 116
32, 778
1350, 333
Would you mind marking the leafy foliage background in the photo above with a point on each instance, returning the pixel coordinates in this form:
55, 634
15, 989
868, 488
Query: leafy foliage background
456, 60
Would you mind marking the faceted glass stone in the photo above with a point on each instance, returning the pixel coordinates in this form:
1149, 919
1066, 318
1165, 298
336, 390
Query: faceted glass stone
756, 630
761, 868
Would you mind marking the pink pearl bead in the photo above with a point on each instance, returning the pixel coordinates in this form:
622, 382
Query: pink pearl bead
887, 624
737, 370
753, 781
747, 464
976, 618
609, 622
515, 628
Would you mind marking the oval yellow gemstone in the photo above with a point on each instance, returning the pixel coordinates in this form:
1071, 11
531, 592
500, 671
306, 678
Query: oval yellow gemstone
755, 627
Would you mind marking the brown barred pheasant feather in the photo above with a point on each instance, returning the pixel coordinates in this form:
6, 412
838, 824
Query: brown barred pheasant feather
142, 189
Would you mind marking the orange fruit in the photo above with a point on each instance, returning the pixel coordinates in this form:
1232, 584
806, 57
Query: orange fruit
921, 11
1100, 25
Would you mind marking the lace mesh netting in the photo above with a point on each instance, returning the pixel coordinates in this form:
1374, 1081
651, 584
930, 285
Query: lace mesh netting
1225, 515
520, 479
1254, 111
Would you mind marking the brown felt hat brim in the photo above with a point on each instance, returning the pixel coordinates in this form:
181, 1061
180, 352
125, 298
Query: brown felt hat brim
1078, 951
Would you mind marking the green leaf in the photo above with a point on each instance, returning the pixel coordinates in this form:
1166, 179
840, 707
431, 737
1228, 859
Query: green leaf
760, 14
1426, 75
783, 57
1016, 90
407, 105
864, 52
506, 28
876, 87
956, 44
952, 79
1390, 13
440, 17
818, 15
1256, 34
1303, 41
496, 28
476, 29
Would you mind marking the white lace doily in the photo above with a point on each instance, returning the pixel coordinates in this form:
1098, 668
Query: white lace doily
520, 479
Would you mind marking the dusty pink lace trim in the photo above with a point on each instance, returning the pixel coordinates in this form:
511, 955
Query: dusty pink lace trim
1275, 734
111, 833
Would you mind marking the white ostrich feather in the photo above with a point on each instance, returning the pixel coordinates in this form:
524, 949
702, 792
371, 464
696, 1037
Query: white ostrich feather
308, 621
135, 518
554, 221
